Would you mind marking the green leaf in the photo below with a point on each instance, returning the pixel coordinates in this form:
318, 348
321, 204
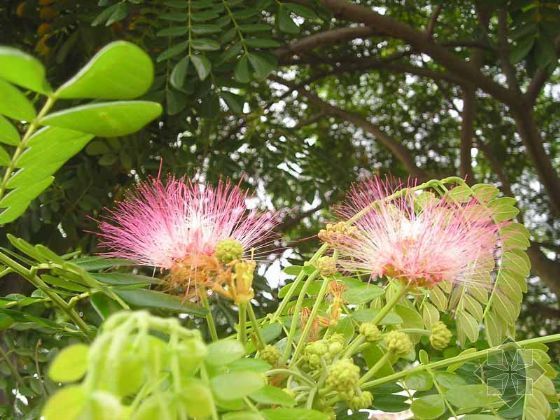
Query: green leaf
202, 66
17, 200
285, 22
449, 380
234, 102
5, 158
5, 321
242, 415
121, 70
173, 51
467, 326
521, 48
106, 119
70, 401
360, 295
174, 31
125, 279
368, 314
70, 364
484, 192
293, 414
179, 73
197, 398
14, 104
201, 29
428, 407
473, 396
262, 65
224, 352
23, 70
255, 365
421, 381
273, 396
241, 70
8, 133
301, 10
236, 385
503, 209
157, 300
262, 42
48, 149
204, 44
121, 11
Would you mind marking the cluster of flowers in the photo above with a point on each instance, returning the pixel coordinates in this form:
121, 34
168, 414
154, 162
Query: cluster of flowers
204, 236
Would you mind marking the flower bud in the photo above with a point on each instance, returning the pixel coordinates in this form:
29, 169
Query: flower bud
228, 250
326, 266
398, 343
370, 331
270, 354
361, 400
343, 376
440, 336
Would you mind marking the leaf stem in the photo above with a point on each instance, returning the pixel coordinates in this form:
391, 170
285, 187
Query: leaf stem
297, 310
209, 317
23, 143
460, 358
242, 331
258, 335
53, 296
375, 368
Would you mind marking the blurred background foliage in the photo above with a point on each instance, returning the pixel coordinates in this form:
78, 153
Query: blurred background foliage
298, 99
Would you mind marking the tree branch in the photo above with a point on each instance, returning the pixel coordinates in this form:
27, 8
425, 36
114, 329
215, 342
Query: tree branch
540, 78
433, 20
503, 50
394, 146
393, 28
332, 36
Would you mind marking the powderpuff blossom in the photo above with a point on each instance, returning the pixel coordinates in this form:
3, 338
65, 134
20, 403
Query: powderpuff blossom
416, 240
165, 224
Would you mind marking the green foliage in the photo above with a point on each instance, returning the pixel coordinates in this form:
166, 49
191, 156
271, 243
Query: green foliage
39, 154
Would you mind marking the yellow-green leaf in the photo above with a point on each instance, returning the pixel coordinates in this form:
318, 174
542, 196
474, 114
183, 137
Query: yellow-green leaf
15, 104
121, 70
106, 119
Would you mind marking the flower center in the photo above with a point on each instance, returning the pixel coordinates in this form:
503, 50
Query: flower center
228, 250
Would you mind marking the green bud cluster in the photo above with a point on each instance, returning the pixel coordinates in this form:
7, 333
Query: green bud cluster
370, 331
228, 250
343, 377
325, 349
361, 400
326, 266
270, 354
440, 336
398, 343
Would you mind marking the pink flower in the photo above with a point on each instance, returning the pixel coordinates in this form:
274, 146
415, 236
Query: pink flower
424, 241
163, 223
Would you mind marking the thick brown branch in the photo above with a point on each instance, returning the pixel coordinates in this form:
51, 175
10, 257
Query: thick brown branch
393, 28
332, 36
547, 270
531, 136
